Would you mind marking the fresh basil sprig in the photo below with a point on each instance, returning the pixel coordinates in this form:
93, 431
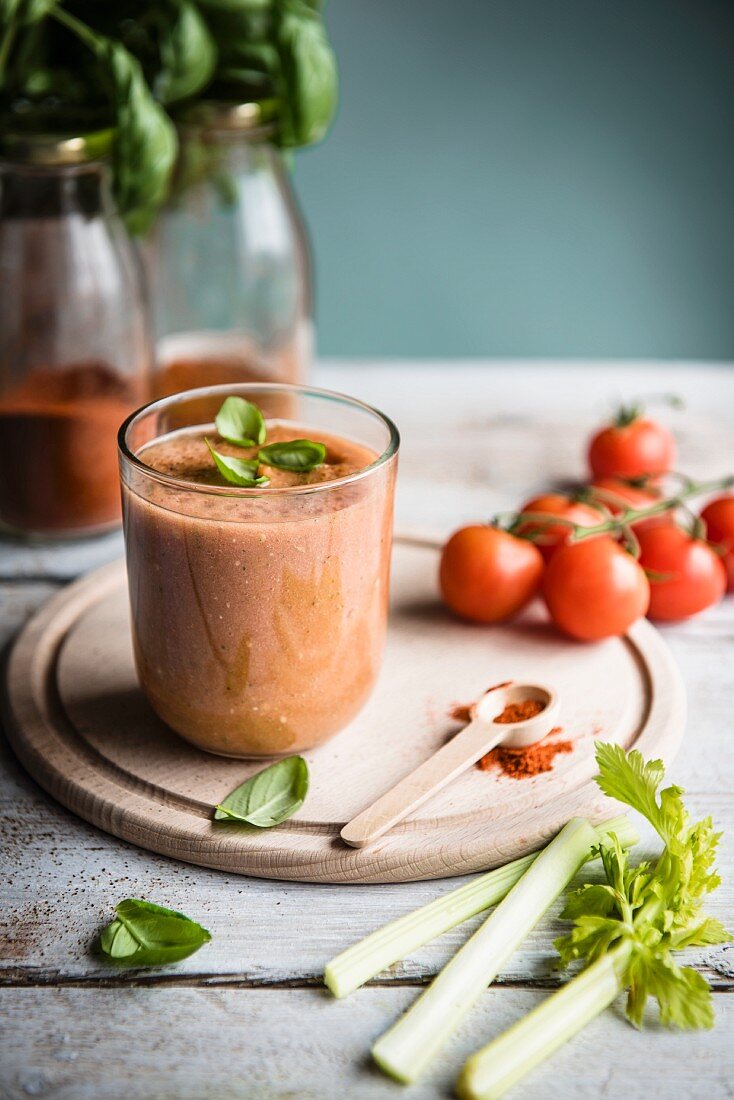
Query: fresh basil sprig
240, 422
268, 797
238, 471
139, 56
297, 455
145, 934
145, 144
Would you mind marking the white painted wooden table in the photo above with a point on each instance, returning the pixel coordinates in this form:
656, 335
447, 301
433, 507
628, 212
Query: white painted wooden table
245, 1018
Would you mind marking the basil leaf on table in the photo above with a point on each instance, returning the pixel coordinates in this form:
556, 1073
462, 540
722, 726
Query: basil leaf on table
240, 422
145, 934
297, 455
268, 797
238, 471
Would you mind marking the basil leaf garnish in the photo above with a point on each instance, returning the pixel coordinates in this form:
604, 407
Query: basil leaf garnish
145, 934
239, 421
238, 471
299, 455
268, 797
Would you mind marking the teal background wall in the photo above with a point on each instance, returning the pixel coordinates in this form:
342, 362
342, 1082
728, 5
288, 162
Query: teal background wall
527, 177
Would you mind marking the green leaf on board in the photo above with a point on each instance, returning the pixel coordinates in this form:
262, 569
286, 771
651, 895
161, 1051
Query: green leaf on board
268, 797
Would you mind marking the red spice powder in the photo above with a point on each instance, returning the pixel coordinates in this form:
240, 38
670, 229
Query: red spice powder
519, 712
518, 763
524, 763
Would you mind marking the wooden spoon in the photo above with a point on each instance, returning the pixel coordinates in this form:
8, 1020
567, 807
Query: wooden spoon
458, 754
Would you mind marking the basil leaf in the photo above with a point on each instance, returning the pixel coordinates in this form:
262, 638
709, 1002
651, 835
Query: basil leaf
300, 455
308, 72
25, 11
145, 934
238, 471
268, 797
145, 143
188, 54
117, 942
239, 421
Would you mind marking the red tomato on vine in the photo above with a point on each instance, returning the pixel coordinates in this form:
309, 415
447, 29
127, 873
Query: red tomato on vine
687, 574
595, 589
632, 446
548, 537
719, 518
487, 575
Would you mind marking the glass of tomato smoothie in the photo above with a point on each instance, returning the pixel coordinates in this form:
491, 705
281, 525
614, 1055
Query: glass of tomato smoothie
258, 613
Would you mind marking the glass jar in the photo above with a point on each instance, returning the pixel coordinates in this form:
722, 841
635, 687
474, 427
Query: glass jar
228, 259
75, 345
258, 615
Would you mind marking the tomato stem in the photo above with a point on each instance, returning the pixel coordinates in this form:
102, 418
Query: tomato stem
667, 504
512, 522
627, 414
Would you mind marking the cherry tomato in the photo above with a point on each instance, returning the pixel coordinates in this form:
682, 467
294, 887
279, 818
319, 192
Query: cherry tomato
632, 446
692, 575
719, 517
487, 574
628, 494
595, 589
549, 538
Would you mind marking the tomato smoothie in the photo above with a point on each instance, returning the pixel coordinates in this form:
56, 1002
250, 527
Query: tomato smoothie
258, 614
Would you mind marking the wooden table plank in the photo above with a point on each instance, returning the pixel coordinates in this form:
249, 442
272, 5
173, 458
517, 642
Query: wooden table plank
301, 1044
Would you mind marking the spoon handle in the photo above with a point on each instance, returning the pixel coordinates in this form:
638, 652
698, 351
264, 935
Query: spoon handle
451, 760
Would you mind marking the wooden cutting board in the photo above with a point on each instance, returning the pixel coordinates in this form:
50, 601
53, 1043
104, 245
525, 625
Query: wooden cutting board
80, 725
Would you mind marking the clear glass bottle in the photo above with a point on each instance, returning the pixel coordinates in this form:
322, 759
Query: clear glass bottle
228, 259
75, 337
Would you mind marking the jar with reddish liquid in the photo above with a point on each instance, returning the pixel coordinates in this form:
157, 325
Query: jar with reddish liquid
228, 260
75, 342
258, 615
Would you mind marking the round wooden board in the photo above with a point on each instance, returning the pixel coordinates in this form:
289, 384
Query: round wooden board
80, 725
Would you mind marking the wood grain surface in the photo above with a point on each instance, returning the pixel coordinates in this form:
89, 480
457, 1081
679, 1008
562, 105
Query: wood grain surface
244, 1018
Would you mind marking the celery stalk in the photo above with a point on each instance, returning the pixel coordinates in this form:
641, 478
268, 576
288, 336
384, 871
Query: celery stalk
355, 966
498, 1066
409, 1046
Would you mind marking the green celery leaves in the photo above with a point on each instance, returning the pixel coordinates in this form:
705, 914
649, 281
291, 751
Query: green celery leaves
651, 909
